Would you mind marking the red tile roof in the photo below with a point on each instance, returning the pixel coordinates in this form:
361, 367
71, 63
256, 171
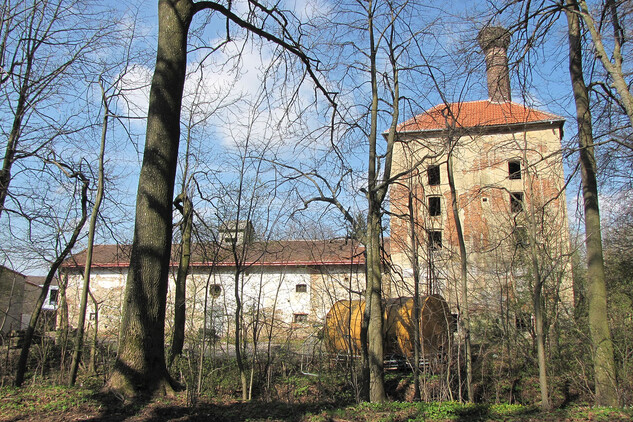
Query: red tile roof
476, 114
273, 253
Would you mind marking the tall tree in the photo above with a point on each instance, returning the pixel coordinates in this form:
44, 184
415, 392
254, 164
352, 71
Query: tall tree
140, 368
79, 336
30, 331
604, 365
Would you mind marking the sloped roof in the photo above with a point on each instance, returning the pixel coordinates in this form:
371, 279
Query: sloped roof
273, 253
476, 114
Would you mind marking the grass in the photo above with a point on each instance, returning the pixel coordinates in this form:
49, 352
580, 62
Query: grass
43, 399
80, 403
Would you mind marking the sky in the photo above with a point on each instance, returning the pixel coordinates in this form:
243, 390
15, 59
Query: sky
247, 99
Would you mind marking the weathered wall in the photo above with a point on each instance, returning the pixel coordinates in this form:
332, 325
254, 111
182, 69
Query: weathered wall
497, 260
11, 299
269, 297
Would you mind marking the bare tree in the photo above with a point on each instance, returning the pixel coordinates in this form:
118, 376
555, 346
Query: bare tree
140, 366
70, 173
43, 46
604, 366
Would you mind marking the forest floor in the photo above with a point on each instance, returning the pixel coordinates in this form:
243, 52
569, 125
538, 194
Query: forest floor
63, 404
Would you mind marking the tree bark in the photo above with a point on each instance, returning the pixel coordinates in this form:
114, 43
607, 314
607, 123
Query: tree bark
603, 358
79, 337
140, 367
415, 263
463, 260
178, 338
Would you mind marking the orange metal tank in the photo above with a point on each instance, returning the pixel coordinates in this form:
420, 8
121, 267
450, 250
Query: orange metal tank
343, 326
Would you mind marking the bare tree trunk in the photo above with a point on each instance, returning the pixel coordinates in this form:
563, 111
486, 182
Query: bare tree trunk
92, 362
238, 335
415, 261
28, 338
537, 293
140, 366
178, 338
79, 337
603, 358
465, 312
374, 305
62, 328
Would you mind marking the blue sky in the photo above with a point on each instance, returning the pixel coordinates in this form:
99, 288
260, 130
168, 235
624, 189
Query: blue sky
231, 93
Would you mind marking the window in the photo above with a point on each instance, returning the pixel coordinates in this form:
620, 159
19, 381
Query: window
298, 318
52, 296
435, 239
514, 169
301, 288
516, 201
433, 172
50, 302
435, 206
215, 290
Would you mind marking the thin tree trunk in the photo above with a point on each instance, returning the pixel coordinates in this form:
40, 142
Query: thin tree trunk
178, 338
416, 298
92, 362
465, 313
30, 331
603, 358
62, 328
79, 337
537, 295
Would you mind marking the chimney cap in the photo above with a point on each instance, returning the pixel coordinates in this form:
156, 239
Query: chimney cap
493, 36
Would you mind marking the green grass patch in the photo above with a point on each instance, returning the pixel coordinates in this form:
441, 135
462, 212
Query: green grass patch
41, 399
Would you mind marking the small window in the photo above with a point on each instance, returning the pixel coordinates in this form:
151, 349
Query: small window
514, 169
435, 206
435, 239
215, 290
433, 172
53, 295
516, 201
298, 318
301, 288
93, 316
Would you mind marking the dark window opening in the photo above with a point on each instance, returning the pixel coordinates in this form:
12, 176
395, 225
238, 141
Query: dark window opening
53, 294
516, 201
433, 172
297, 318
301, 288
215, 290
514, 169
435, 206
435, 239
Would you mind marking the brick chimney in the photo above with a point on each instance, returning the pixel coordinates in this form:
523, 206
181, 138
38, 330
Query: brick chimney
494, 41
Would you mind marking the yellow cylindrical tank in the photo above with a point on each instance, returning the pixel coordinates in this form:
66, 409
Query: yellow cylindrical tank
343, 326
